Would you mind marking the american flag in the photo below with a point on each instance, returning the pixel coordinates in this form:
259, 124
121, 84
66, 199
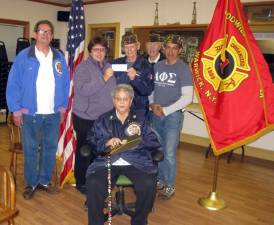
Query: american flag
74, 55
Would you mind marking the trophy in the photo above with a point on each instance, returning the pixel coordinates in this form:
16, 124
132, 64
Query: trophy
194, 14
156, 19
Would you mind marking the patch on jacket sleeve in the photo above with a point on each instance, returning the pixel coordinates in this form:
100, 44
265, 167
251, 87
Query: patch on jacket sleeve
58, 67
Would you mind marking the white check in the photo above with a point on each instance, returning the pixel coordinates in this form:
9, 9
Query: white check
119, 67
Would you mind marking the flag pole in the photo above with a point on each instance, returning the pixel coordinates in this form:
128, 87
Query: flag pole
212, 201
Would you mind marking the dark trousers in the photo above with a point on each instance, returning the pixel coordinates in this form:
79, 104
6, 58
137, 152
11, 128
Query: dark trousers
81, 127
144, 187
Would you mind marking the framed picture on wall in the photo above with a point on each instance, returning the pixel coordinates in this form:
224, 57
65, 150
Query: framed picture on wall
259, 12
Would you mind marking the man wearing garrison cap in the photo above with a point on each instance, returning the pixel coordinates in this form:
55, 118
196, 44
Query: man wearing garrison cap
139, 73
153, 49
173, 91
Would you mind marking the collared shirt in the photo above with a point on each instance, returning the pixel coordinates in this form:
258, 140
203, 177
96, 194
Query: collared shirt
155, 60
45, 83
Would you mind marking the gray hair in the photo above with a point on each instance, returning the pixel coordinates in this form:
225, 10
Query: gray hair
123, 87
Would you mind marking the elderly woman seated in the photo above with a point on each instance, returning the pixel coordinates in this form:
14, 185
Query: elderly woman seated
113, 129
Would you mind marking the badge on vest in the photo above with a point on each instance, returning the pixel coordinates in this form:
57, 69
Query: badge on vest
58, 67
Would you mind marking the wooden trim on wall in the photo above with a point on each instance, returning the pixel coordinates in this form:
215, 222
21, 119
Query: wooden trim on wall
258, 3
101, 1
68, 5
24, 24
50, 3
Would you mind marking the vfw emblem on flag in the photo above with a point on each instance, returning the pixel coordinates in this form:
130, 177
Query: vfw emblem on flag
227, 75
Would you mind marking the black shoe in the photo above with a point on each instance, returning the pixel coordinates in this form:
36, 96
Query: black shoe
82, 189
48, 188
29, 192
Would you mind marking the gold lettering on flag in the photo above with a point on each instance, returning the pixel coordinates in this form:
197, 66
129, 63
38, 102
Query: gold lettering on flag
236, 22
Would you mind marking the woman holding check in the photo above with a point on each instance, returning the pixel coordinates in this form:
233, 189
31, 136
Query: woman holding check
93, 83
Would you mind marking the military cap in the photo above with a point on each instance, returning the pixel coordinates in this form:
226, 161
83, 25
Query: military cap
129, 38
154, 37
174, 39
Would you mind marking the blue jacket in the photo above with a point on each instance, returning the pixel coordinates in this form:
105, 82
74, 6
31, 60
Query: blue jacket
142, 84
108, 126
21, 86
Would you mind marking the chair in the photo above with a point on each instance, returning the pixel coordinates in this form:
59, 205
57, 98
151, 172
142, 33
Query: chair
120, 206
3, 52
15, 145
7, 197
22, 43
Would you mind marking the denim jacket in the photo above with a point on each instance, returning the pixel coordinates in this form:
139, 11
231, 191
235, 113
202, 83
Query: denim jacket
108, 126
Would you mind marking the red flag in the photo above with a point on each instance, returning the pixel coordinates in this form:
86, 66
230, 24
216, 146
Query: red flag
232, 81
74, 55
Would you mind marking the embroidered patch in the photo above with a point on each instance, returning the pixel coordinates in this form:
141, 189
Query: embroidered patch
133, 129
58, 67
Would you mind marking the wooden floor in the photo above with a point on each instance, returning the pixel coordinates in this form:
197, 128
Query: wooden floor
247, 188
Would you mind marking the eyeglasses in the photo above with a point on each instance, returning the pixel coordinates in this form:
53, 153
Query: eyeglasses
121, 99
98, 49
47, 32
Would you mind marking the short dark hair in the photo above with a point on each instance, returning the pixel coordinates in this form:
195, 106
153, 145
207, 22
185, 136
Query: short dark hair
97, 40
43, 22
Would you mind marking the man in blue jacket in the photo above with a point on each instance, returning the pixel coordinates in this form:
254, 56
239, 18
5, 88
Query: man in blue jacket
139, 73
111, 129
37, 95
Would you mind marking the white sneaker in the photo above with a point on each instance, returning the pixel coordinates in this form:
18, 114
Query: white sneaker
160, 185
167, 192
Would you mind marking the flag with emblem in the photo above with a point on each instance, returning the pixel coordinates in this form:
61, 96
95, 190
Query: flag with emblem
232, 81
74, 55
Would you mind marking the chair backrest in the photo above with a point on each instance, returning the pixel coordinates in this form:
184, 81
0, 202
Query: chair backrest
15, 134
7, 196
22, 43
3, 52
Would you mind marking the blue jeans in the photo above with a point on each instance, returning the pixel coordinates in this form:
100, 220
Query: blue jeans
39, 163
168, 129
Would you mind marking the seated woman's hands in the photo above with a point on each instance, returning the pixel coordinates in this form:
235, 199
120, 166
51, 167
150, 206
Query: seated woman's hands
113, 142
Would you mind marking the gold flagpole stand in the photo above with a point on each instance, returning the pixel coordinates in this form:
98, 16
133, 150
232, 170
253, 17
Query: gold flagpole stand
212, 202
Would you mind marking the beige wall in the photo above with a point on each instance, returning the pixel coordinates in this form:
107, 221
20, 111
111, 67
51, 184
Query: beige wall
32, 12
128, 13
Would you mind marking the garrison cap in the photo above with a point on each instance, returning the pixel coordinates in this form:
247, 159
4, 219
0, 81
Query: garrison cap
174, 39
129, 38
154, 37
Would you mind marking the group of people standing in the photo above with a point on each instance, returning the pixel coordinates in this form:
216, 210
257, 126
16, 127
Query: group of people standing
161, 87
149, 96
